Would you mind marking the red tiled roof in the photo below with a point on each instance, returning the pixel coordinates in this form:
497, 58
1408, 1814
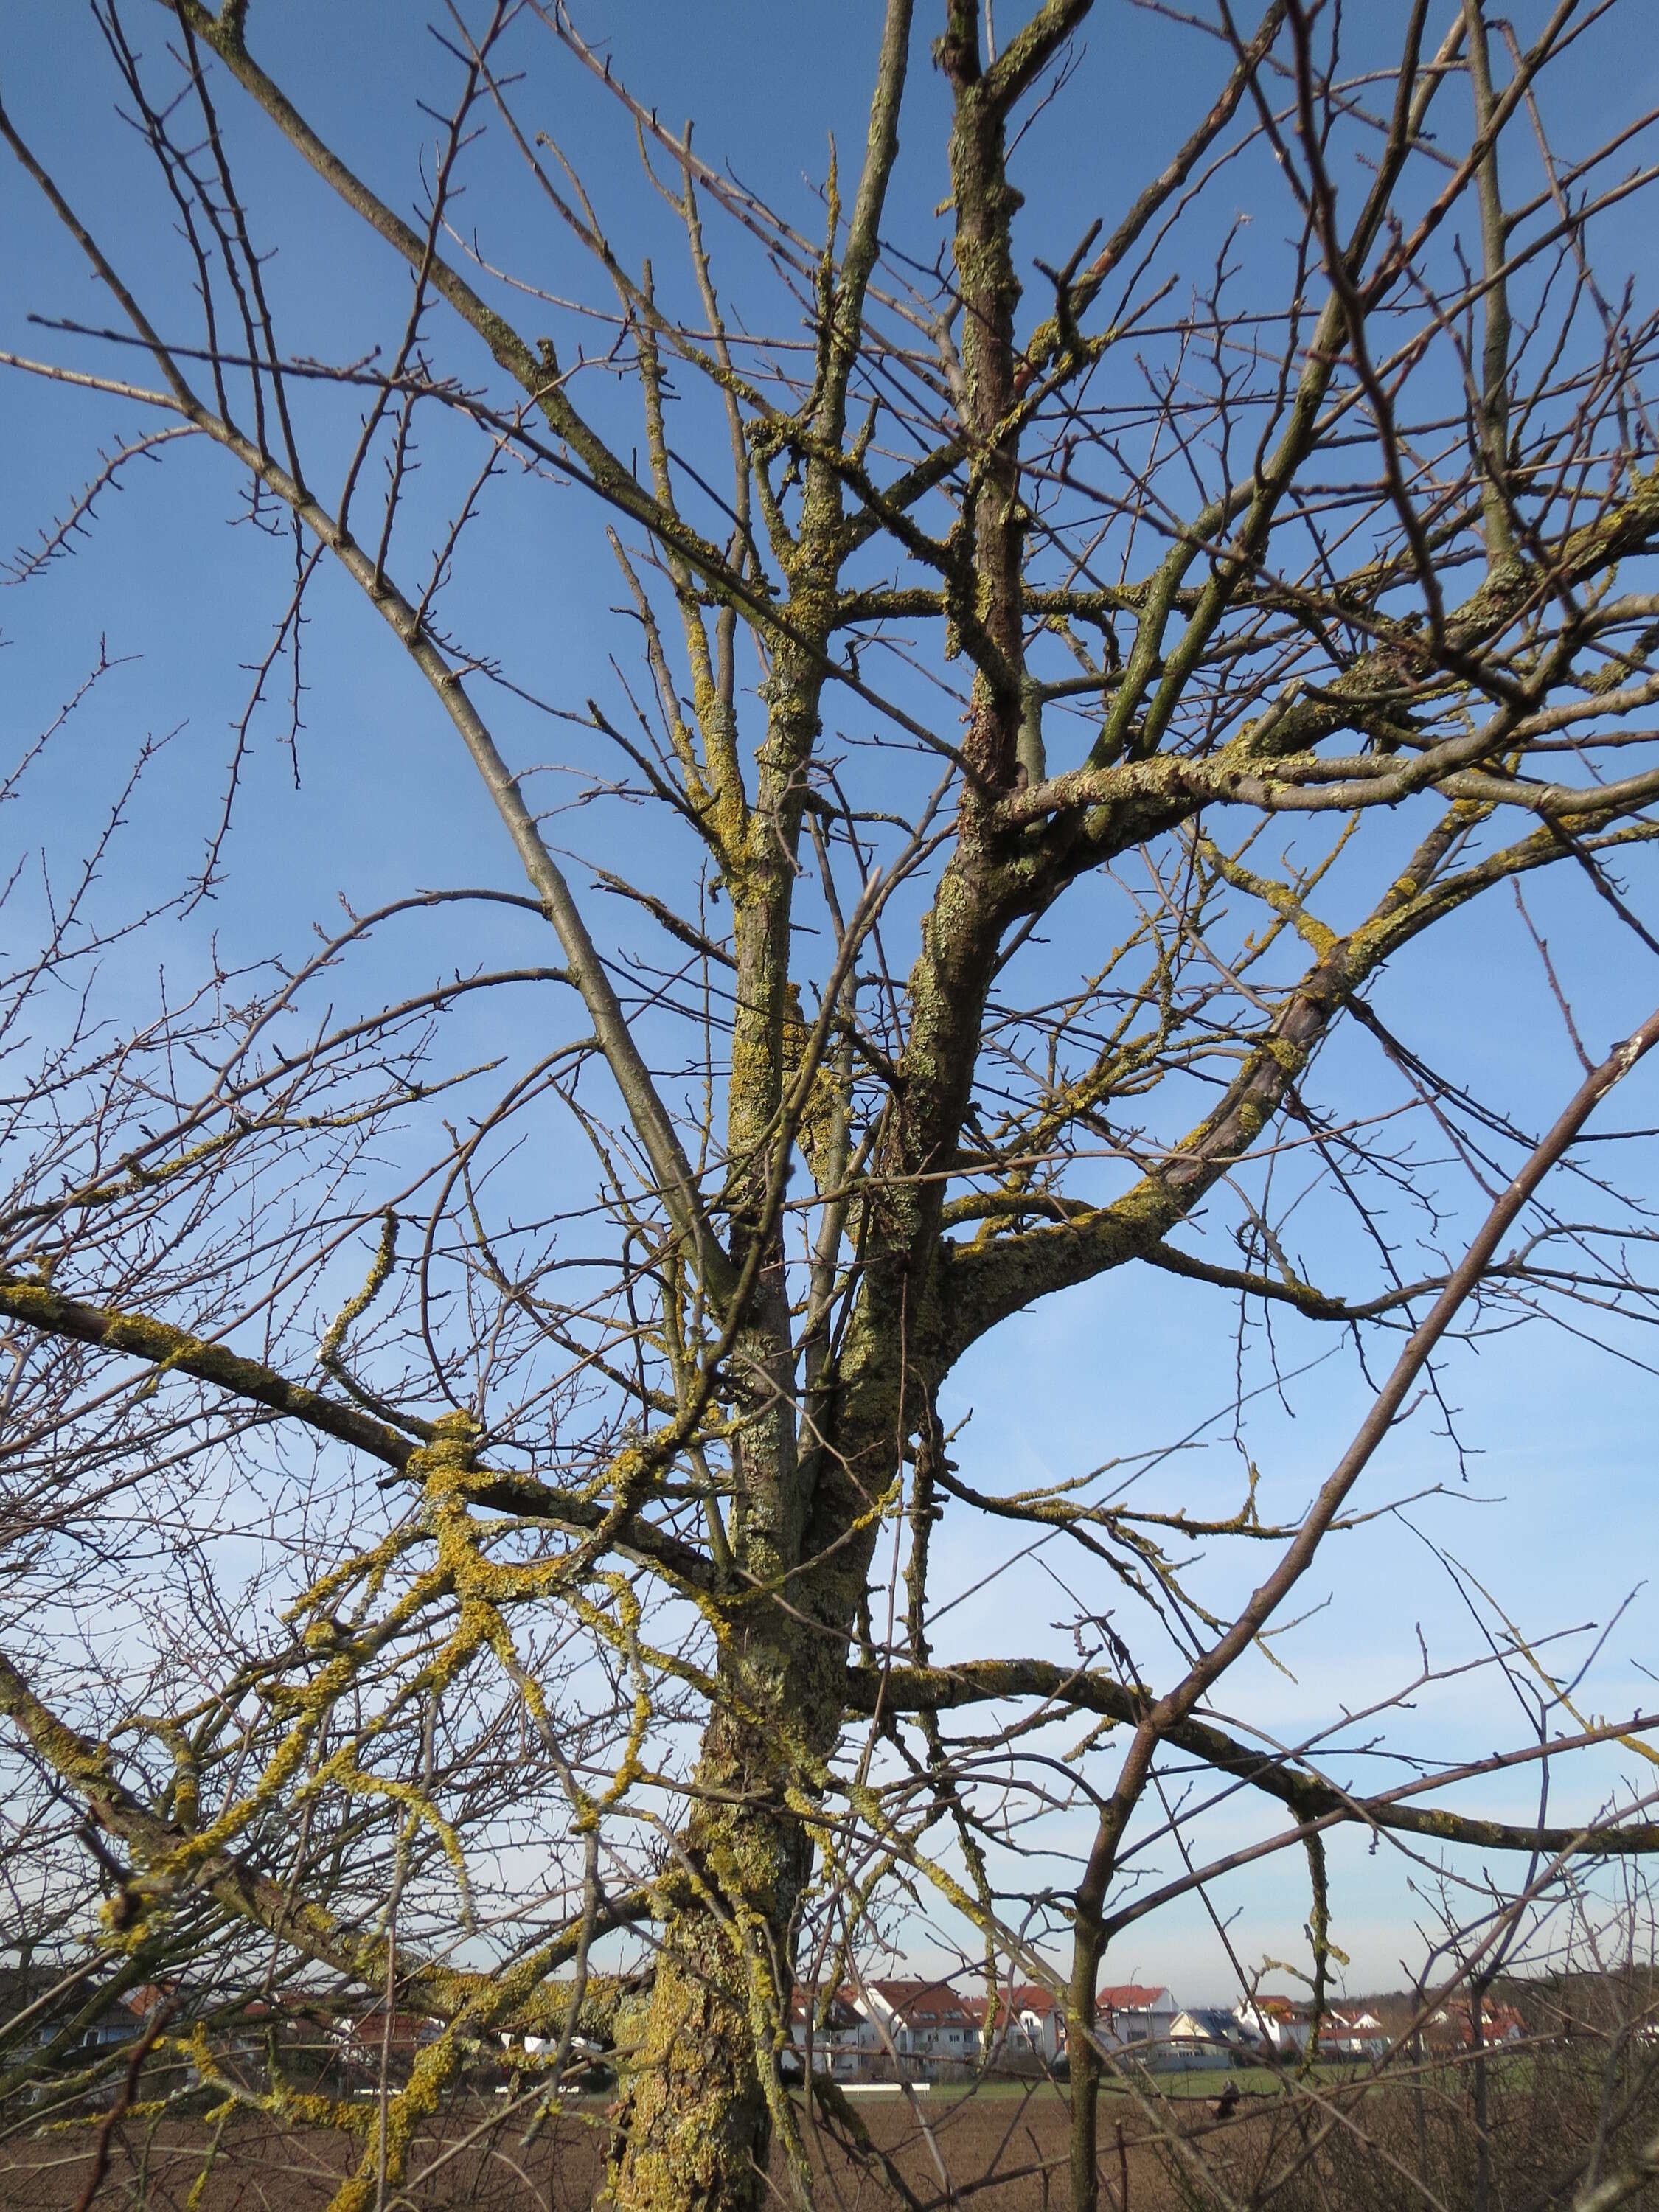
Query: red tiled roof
408, 2030
1011, 2003
1030, 1998
936, 2003
1129, 1997
925, 2004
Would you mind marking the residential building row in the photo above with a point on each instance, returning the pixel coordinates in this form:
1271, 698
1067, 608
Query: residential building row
895, 2029
1285, 2029
908, 2029
887, 2029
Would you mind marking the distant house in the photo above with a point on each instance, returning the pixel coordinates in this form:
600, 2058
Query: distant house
1353, 2035
1134, 2012
367, 2043
1214, 2024
1284, 2027
1244, 2036
1041, 2017
68, 2014
1200, 2038
546, 2046
1026, 2024
1454, 2024
1002, 2037
841, 2039
929, 2025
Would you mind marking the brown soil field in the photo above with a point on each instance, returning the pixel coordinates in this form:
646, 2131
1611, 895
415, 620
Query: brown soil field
1003, 2151
1000, 2149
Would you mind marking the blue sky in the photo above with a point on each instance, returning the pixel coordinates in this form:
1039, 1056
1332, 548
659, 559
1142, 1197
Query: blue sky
386, 801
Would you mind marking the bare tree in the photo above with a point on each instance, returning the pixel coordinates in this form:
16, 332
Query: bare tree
1055, 721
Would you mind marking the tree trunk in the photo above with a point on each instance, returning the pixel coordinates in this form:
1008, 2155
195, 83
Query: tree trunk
695, 2129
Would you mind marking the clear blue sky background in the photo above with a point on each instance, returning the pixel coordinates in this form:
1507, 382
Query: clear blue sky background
388, 801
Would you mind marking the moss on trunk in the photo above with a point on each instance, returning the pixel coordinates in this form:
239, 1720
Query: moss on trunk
695, 2128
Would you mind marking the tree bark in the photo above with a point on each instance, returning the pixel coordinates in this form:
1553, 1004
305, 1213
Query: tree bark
694, 2129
